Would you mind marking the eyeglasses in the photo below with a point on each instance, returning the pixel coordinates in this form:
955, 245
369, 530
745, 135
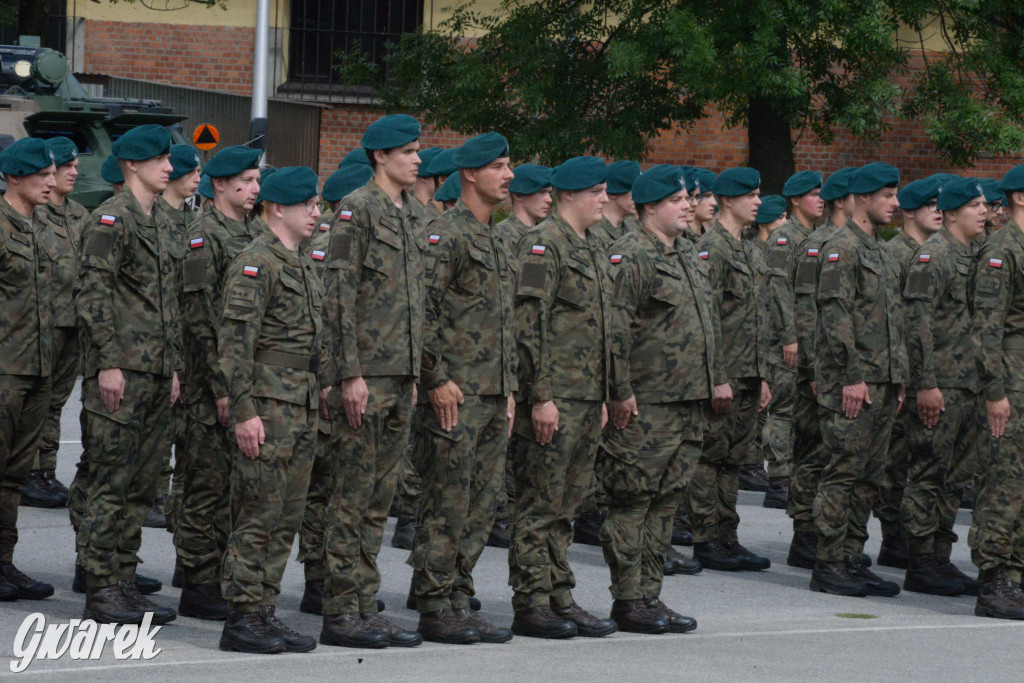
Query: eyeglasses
932, 206
311, 205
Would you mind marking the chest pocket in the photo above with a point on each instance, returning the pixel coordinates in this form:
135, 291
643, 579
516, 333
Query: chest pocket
666, 289
579, 284
739, 281
138, 260
19, 263
958, 290
383, 251
871, 277
478, 270
290, 306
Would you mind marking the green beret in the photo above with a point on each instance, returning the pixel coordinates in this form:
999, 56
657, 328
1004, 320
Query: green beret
450, 190
111, 171
918, 193
691, 179
530, 178
621, 176
443, 164
705, 178
1013, 181
990, 186
943, 178
733, 182
356, 156
345, 180
800, 184
426, 156
231, 161
873, 177
142, 143
390, 131
290, 185
579, 173
205, 188
658, 182
265, 173
838, 184
184, 159
63, 149
480, 150
772, 207
956, 193
25, 157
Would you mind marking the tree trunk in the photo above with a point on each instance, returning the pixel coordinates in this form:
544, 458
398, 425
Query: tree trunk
770, 144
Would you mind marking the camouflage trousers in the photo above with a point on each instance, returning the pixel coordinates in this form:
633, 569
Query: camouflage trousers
552, 483
314, 517
364, 473
778, 422
24, 401
205, 498
124, 452
409, 489
268, 494
996, 537
893, 481
728, 440
507, 493
646, 466
809, 459
857, 451
462, 474
66, 363
172, 506
942, 461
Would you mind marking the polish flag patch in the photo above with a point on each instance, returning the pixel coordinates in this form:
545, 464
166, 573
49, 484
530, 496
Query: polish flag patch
434, 239
251, 271
317, 255
195, 243
107, 220
782, 241
538, 249
833, 257
813, 253
345, 215
703, 255
995, 263
324, 227
616, 258
924, 258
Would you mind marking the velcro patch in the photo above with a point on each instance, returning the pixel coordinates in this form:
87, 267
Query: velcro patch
341, 247
194, 272
918, 282
241, 299
535, 275
100, 243
830, 281
777, 259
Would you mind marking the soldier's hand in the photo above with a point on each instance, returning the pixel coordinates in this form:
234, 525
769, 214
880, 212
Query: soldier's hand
789, 354
854, 398
223, 411
111, 383
622, 411
766, 396
814, 388
446, 400
250, 436
175, 388
415, 394
545, 421
930, 404
604, 415
998, 416
722, 398
325, 411
354, 397
901, 396
510, 413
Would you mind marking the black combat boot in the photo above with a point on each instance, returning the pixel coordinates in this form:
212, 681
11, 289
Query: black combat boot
634, 616
161, 615
397, 637
36, 493
677, 623
677, 563
444, 626
967, 497
998, 597
925, 575
349, 630
835, 578
894, 553
802, 550
203, 601
178, 577
147, 585
405, 530
489, 633
542, 622
313, 598
875, 584
971, 586
293, 640
28, 588
586, 623
753, 478
8, 591
682, 534
499, 536
110, 605
777, 496
247, 632
155, 517
748, 560
714, 555
586, 530
54, 484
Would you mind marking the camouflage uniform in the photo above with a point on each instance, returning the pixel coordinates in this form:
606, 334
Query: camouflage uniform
996, 293
941, 351
563, 320
738, 273
663, 354
209, 450
606, 233
859, 339
271, 351
374, 312
128, 315
468, 340
809, 454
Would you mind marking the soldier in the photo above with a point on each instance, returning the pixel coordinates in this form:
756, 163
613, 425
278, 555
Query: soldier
208, 453
357, 157
427, 184
272, 354
771, 216
660, 387
469, 380
131, 350
374, 312
809, 454
563, 309
61, 219
338, 186
941, 421
530, 193
111, 172
619, 214
997, 298
738, 272
859, 373
449, 192
27, 257
995, 217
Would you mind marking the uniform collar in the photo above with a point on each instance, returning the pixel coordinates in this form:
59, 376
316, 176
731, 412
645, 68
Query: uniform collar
735, 244
460, 209
22, 223
958, 247
865, 239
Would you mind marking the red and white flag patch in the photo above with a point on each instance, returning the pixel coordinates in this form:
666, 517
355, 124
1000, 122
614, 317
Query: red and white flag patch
813, 253
324, 227
995, 263
434, 239
345, 215
615, 258
782, 241
833, 257
317, 255
195, 243
703, 255
251, 271
538, 249
924, 258
107, 220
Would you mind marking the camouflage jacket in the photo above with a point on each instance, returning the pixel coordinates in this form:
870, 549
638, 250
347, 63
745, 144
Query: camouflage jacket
606, 233
468, 334
127, 308
271, 341
860, 315
941, 346
662, 338
563, 314
179, 220
63, 225
27, 258
738, 273
996, 292
374, 279
511, 230
428, 211
903, 247
805, 302
213, 241
782, 254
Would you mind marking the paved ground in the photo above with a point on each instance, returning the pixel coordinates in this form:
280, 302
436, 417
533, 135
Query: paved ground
764, 626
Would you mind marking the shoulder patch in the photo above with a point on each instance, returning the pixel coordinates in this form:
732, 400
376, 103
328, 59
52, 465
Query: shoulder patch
812, 252
924, 258
538, 249
995, 263
535, 275
615, 258
918, 282
324, 227
194, 272
703, 255
195, 243
341, 247
434, 239
100, 243
782, 241
106, 219
318, 255
777, 258
345, 215
833, 257
251, 271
